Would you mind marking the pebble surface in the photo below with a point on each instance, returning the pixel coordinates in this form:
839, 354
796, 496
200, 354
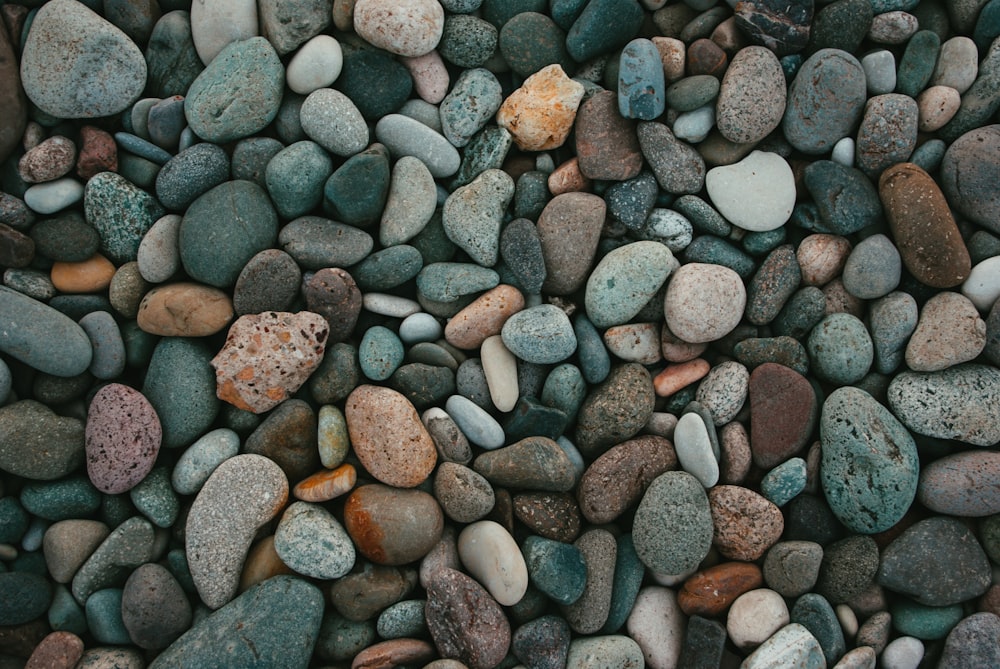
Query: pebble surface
605, 333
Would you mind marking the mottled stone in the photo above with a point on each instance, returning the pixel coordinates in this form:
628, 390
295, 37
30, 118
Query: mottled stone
540, 114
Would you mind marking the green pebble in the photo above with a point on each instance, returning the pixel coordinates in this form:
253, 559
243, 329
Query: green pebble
703, 216
467, 41
626, 583
61, 500
692, 92
929, 155
449, 281
121, 212
65, 614
531, 194
154, 497
595, 361
388, 268
786, 351
759, 243
433, 242
841, 349
139, 345
341, 639
337, 375
556, 568
23, 597
116, 509
485, 151
926, 623
531, 418
13, 520
564, 389
784, 482
104, 617
357, 191
801, 313
402, 619
917, 63
295, 178
716, 251
178, 565
815, 613
380, 353
376, 83
180, 384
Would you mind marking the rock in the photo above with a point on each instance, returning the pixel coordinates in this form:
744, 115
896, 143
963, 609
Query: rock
181, 386
12, 128
694, 449
410, 29
280, 619
783, 409
919, 218
405, 136
381, 420
792, 645
38, 444
184, 310
782, 28
603, 27
392, 526
961, 176
491, 555
544, 642
243, 493
51, 159
121, 213
123, 438
657, 625
606, 144
615, 410
75, 64
810, 124
213, 27
128, 546
673, 500
703, 302
745, 523
613, 651
464, 495
957, 403
876, 500
617, 479
960, 484
41, 337
540, 114
737, 192
465, 622
472, 215
313, 543
332, 120
678, 167
949, 332
792, 567
569, 229
755, 616
557, 569
970, 642
956, 571
26, 596
625, 280
238, 94
753, 75
840, 349
288, 26
888, 132
155, 610
589, 613
641, 85
541, 335
709, 592
873, 269
58, 650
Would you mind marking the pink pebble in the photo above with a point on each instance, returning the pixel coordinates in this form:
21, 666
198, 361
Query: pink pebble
430, 77
123, 437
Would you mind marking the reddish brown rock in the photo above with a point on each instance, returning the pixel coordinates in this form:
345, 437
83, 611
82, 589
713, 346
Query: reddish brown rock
98, 152
59, 650
606, 143
734, 465
326, 484
706, 57
48, 161
618, 478
393, 653
569, 228
822, 257
262, 563
567, 178
12, 101
267, 357
540, 114
123, 438
484, 317
553, 515
923, 228
16, 248
709, 592
746, 524
333, 294
783, 413
465, 622
388, 436
184, 310
393, 526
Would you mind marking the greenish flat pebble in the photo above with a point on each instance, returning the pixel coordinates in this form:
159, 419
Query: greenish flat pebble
924, 622
557, 569
783, 350
61, 500
296, 176
104, 617
784, 482
716, 251
154, 497
447, 281
565, 389
629, 572
402, 619
388, 268
815, 613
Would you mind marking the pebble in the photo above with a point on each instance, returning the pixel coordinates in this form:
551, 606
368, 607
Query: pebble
755, 616
50, 160
940, 491
184, 309
410, 29
311, 541
492, 557
41, 337
961, 176
472, 215
674, 500
202, 458
880, 71
949, 332
540, 114
465, 622
792, 645
791, 568
955, 403
541, 335
154, 608
656, 624
969, 642
123, 437
409, 202
128, 546
58, 650
613, 651
694, 449
754, 74
53, 196
569, 229
316, 64
405, 136
709, 592
840, 349
810, 124
616, 409
641, 266
873, 268
333, 121
703, 302
590, 612
606, 146
736, 191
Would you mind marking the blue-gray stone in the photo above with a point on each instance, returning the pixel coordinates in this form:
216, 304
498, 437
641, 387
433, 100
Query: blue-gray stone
531, 418
405, 136
801, 313
380, 353
840, 349
870, 468
223, 229
172, 62
702, 215
565, 389
154, 497
467, 41
595, 361
693, 92
717, 251
672, 530
341, 639
784, 482
630, 202
486, 151
238, 94
23, 597
625, 280
873, 268
892, 319
629, 572
475, 423
928, 156
774, 282
180, 384
251, 156
641, 86
121, 213
924, 622
374, 81
13, 520
356, 192
972, 643
602, 27
273, 624
846, 199
104, 617
521, 251
190, 174
142, 148
388, 268
541, 334
815, 613
530, 41
403, 619
316, 243
556, 568
62, 499
916, 66
65, 614
295, 178
531, 194
41, 337
109, 349
166, 122
811, 124
448, 281
472, 101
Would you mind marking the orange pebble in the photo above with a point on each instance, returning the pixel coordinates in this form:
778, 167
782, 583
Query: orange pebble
675, 377
90, 276
262, 563
710, 592
327, 484
567, 178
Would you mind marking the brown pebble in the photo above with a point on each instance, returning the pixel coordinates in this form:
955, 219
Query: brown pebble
89, 276
677, 377
569, 229
822, 258
839, 301
617, 479
393, 653
783, 413
924, 230
484, 317
98, 152
16, 248
709, 592
183, 310
673, 56
465, 622
706, 57
262, 563
59, 650
327, 484
48, 161
553, 515
746, 524
12, 98
675, 349
393, 526
567, 178
606, 143
333, 294
736, 454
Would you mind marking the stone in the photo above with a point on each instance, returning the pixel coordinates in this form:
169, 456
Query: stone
154, 607
812, 125
606, 144
615, 651
472, 215
949, 332
615, 410
791, 568
569, 229
541, 335
465, 622
493, 558
970, 641
840, 349
243, 493
184, 309
641, 85
288, 26
464, 494
534, 463
544, 642
75, 64
51, 159
674, 500
270, 281
755, 616
180, 385
128, 546
58, 650
38, 444
380, 422
121, 213
738, 193
959, 484
332, 120
678, 167
311, 541
745, 523
961, 176
753, 75
41, 337
540, 114
694, 449
410, 29
213, 27
589, 613
625, 280
123, 437
603, 27
617, 479
709, 592
405, 136
792, 645
409, 202
784, 412
703, 302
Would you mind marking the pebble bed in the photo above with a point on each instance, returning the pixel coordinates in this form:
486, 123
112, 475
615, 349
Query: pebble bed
500, 333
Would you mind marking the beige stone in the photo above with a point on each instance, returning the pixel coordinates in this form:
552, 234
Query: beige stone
184, 310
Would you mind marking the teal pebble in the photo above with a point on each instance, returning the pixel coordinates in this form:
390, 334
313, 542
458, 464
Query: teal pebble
178, 565
625, 280
772, 285
121, 213
251, 156
337, 375
846, 199
801, 313
784, 482
564, 389
641, 86
138, 171
198, 462
433, 243
679, 400
470, 104
924, 622
104, 617
531, 194
296, 176
841, 349
703, 216
532, 40
692, 92
420, 327
180, 384
432, 354
530, 418
448, 281
566, 12
357, 191
376, 83
402, 619
715, 251
116, 509
24, 596
380, 353
987, 25
467, 41
916, 66
142, 148
815, 613
154, 497
892, 320
65, 614
388, 268
139, 345
316, 243
66, 237
486, 151
340, 639
929, 155
602, 27
627, 581
595, 361
61, 500
556, 568
108, 361
759, 243
423, 384
982, 245
13, 520
172, 61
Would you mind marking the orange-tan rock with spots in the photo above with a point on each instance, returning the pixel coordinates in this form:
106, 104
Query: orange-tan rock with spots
267, 357
184, 309
388, 436
540, 114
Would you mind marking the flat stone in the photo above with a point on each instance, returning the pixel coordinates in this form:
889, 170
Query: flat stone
180, 384
606, 144
673, 500
753, 75
709, 592
38, 444
332, 120
154, 607
465, 622
405, 136
313, 543
810, 124
589, 613
242, 494
41, 337
128, 546
956, 403
615, 650
625, 280
409, 203
784, 411
737, 191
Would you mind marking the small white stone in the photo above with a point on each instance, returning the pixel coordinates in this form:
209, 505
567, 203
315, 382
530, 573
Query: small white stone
403, 27
694, 449
843, 152
393, 306
724, 390
159, 255
657, 625
635, 342
53, 196
755, 616
957, 64
694, 126
880, 72
903, 653
755, 194
493, 558
420, 327
316, 64
983, 284
500, 369
216, 23
848, 620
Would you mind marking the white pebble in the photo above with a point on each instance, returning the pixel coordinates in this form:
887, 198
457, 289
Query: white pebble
216, 23
880, 72
843, 152
393, 306
755, 194
754, 616
657, 625
635, 342
903, 653
694, 126
159, 254
983, 285
478, 426
316, 64
848, 620
957, 64
53, 196
493, 558
420, 327
694, 449
500, 369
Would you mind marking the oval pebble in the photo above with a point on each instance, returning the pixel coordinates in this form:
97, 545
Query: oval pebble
392, 526
123, 438
202, 458
313, 543
625, 280
676, 506
492, 556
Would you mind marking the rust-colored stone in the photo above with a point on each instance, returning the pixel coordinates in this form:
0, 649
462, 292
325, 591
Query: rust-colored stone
679, 376
540, 114
484, 317
327, 484
567, 178
393, 653
98, 152
90, 276
606, 144
783, 413
709, 592
706, 57
183, 309
745, 523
